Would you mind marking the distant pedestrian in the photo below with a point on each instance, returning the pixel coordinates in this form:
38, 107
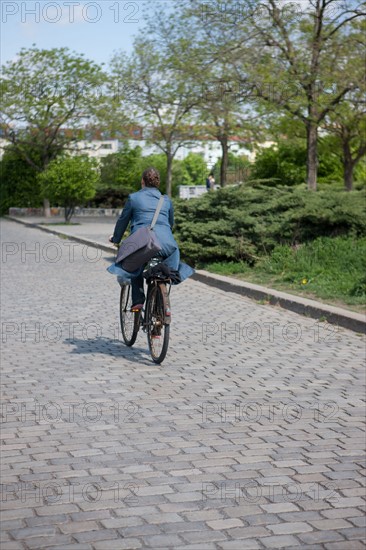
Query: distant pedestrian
211, 182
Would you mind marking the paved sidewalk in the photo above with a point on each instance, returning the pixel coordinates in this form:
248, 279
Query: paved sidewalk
95, 229
249, 435
95, 233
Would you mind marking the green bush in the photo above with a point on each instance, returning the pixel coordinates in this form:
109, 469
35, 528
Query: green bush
70, 182
244, 223
282, 164
18, 183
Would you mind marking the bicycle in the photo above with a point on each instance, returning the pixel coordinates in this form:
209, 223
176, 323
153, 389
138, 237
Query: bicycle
155, 319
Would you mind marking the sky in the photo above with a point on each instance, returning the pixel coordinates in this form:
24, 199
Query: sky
96, 29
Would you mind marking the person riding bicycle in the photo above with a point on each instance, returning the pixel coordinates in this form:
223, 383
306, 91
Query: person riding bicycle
139, 211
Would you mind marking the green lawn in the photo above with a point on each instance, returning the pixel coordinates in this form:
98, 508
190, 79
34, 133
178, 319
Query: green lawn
332, 270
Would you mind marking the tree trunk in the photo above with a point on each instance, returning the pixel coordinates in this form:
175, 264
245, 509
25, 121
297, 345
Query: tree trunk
348, 164
224, 160
169, 167
69, 211
312, 155
348, 176
46, 208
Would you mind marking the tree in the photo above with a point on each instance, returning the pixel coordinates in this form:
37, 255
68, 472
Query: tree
18, 182
350, 128
157, 95
223, 109
224, 114
70, 181
305, 63
47, 95
347, 122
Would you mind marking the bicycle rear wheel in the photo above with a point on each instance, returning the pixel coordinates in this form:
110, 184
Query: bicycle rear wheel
130, 321
156, 326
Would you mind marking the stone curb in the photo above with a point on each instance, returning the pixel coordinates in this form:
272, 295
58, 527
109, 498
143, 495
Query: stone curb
309, 308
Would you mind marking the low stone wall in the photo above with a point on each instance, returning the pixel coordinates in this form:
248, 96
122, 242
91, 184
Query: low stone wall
60, 212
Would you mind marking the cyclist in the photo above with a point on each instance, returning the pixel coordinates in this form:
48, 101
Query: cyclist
139, 211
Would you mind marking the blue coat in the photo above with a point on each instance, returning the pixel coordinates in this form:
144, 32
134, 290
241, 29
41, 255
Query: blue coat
139, 211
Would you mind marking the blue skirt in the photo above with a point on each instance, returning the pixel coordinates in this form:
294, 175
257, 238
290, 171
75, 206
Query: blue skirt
172, 261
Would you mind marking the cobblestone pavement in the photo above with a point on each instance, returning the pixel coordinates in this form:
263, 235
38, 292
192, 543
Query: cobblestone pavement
249, 435
95, 229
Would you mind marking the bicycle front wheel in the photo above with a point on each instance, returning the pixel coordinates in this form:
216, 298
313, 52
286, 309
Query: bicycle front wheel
157, 328
130, 321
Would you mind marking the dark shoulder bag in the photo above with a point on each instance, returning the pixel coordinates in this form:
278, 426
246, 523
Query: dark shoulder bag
141, 246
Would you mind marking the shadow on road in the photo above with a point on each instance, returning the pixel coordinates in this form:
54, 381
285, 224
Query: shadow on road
109, 346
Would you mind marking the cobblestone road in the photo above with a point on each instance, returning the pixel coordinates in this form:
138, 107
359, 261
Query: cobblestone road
249, 435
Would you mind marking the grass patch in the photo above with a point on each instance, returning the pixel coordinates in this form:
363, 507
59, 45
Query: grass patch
330, 269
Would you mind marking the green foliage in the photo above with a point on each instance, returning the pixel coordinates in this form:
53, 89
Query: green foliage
243, 223
194, 170
44, 91
18, 183
285, 164
359, 289
330, 168
121, 172
360, 174
164, 95
182, 172
122, 169
282, 165
70, 181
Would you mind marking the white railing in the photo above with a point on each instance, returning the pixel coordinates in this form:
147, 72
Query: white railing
191, 191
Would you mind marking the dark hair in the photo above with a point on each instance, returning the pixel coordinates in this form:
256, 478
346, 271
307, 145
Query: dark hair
151, 177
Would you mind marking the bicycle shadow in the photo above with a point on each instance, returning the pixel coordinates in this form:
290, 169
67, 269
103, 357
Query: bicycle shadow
108, 346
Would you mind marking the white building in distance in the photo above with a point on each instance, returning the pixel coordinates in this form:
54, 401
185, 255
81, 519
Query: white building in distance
95, 146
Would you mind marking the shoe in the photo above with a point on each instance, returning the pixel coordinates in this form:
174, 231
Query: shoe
137, 307
156, 332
